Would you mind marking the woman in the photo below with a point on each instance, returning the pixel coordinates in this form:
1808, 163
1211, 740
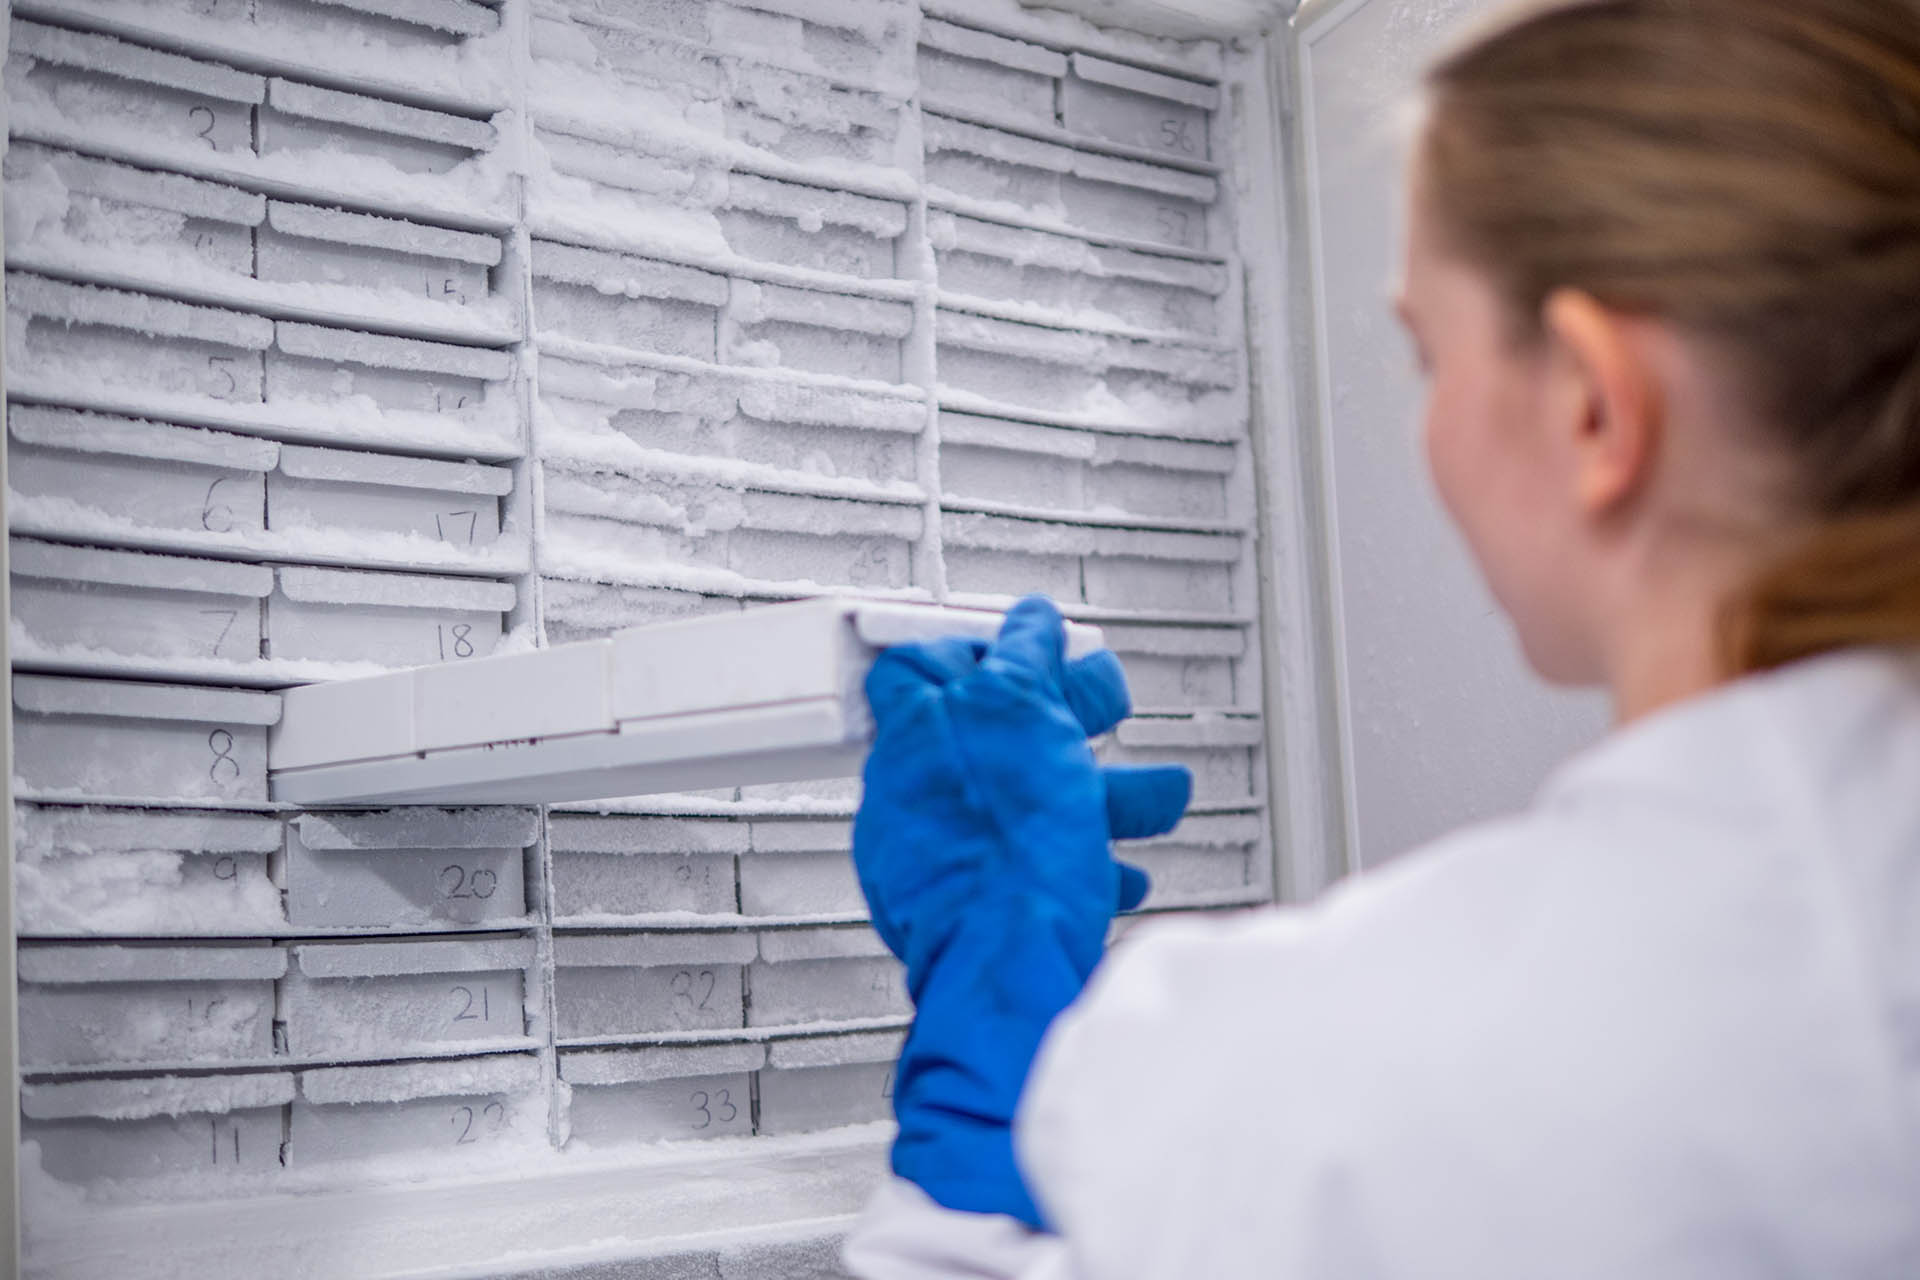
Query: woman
1663, 270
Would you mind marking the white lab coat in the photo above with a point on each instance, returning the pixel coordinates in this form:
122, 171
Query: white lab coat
1666, 1023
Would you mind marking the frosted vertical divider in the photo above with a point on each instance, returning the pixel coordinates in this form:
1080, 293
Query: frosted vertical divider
9, 987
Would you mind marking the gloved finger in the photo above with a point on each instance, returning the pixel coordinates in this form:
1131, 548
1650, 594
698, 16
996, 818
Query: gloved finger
904, 670
1096, 689
1135, 884
1033, 640
1146, 800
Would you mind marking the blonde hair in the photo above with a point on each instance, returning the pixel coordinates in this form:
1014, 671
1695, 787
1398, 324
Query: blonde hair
1750, 171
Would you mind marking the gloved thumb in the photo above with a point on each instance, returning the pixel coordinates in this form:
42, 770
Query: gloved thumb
1135, 884
1146, 800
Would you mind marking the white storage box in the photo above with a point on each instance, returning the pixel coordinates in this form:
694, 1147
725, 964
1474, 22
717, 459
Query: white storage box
120, 740
409, 868
449, 1109
800, 868
95, 1004
129, 872
996, 463
968, 72
1168, 570
90, 467
1138, 108
133, 342
824, 975
661, 1092
577, 610
109, 87
824, 1081
396, 620
300, 117
607, 867
625, 301
677, 706
350, 1000
308, 244
1210, 858
456, 503
84, 600
1221, 750
1170, 666
133, 216
617, 984
814, 331
157, 1127
317, 365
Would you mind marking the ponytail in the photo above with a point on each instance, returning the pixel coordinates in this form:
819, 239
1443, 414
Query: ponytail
1855, 581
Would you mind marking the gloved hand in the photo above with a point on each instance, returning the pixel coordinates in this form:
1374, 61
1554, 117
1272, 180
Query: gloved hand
983, 848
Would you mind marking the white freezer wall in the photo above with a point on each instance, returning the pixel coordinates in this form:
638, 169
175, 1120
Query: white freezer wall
1441, 722
351, 334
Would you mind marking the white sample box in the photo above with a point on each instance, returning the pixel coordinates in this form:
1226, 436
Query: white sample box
761, 696
85, 601
1177, 571
1166, 114
824, 975
1221, 750
136, 217
157, 1127
394, 619
409, 868
455, 503
1170, 666
821, 1082
661, 1092
815, 331
624, 301
121, 740
998, 462
309, 244
978, 73
89, 468
814, 227
92, 338
353, 1000
607, 867
314, 364
95, 1004
1210, 858
621, 984
451, 1109
300, 117
130, 872
800, 868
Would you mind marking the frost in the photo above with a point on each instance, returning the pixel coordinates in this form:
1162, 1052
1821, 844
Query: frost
154, 1096
458, 1078
142, 313
394, 590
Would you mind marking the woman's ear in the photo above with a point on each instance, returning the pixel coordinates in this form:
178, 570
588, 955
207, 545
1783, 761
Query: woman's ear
1606, 400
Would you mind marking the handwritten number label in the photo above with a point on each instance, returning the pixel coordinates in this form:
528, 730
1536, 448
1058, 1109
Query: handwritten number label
220, 742
223, 366
215, 516
225, 868
1177, 135
464, 1119
447, 523
717, 1105
456, 641
205, 132
1174, 224
461, 882
695, 990
886, 1086
466, 1013
213, 1128
231, 615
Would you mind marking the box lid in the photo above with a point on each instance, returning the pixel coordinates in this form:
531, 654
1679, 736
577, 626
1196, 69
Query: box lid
353, 346
29, 558
660, 1062
112, 57
651, 950
378, 115
394, 590
836, 1050
851, 943
442, 1078
151, 1096
105, 962
421, 828
88, 432
395, 959
396, 235
51, 831
351, 466
128, 699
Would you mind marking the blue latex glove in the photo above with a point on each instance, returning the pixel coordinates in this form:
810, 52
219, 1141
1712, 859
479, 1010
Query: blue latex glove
983, 848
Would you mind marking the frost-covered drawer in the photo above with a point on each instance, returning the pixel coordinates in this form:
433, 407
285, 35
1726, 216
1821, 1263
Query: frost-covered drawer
770, 325
755, 533
449, 1109
95, 1004
660, 1092
395, 619
1074, 278
409, 868
822, 431
580, 610
619, 984
77, 470
607, 867
800, 868
980, 73
309, 364
1223, 751
972, 167
1147, 569
98, 215
86, 337
126, 93
824, 975
83, 600
456, 503
130, 872
1139, 108
112, 739
1178, 666
1001, 461
159, 1127
624, 301
308, 244
373, 999
1065, 370
304, 118
813, 227
824, 1081
1210, 857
